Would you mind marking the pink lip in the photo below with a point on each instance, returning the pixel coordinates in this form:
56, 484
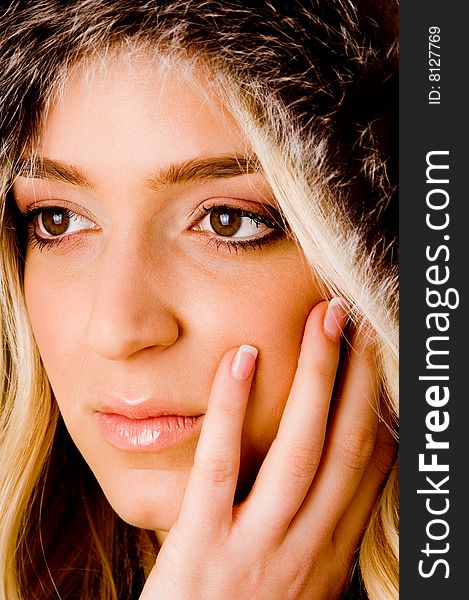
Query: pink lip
144, 427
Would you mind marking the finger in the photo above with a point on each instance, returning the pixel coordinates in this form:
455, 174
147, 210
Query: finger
208, 500
292, 460
348, 448
350, 528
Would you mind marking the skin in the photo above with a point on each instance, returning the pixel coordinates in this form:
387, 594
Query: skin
141, 302
126, 334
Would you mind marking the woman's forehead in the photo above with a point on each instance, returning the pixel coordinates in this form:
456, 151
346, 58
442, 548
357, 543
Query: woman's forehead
124, 107
123, 68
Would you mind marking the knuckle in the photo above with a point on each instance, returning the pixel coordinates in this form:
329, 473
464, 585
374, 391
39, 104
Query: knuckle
356, 448
384, 456
323, 369
218, 470
303, 460
227, 410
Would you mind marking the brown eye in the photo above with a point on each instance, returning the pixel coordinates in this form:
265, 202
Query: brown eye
57, 222
236, 224
54, 221
225, 222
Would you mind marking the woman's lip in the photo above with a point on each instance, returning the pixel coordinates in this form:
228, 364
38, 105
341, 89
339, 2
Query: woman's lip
145, 408
149, 434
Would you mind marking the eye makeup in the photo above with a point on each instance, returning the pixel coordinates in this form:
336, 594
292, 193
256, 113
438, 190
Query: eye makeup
49, 226
222, 225
238, 229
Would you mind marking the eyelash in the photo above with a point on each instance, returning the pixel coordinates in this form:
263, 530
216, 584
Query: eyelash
276, 225
36, 241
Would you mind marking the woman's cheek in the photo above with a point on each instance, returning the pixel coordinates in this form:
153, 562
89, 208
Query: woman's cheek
57, 313
256, 306
279, 339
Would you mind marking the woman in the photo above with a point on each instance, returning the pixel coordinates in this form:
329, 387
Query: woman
195, 193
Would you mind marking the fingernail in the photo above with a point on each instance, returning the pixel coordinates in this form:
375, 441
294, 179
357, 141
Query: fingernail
335, 319
243, 362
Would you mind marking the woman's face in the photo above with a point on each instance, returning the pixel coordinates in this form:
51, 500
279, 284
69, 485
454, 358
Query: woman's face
153, 250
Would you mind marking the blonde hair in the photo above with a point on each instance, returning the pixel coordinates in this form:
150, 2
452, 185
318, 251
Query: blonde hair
338, 255
343, 236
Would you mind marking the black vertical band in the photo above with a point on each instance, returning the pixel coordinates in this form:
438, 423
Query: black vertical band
434, 234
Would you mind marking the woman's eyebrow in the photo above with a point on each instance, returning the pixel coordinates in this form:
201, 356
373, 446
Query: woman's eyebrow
204, 169
188, 171
46, 168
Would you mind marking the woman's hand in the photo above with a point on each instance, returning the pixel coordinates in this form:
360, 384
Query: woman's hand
295, 535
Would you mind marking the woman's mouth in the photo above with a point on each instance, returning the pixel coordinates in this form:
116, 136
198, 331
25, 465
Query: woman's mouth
147, 433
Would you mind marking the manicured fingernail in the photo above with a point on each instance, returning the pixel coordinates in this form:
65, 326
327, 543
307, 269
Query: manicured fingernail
243, 362
335, 319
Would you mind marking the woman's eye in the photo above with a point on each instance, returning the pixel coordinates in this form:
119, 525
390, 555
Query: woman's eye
234, 223
56, 222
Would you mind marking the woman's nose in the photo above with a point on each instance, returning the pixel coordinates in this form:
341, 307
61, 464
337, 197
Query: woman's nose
130, 307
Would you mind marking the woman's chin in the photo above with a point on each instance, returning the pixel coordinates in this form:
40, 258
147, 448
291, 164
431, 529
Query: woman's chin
147, 500
146, 521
